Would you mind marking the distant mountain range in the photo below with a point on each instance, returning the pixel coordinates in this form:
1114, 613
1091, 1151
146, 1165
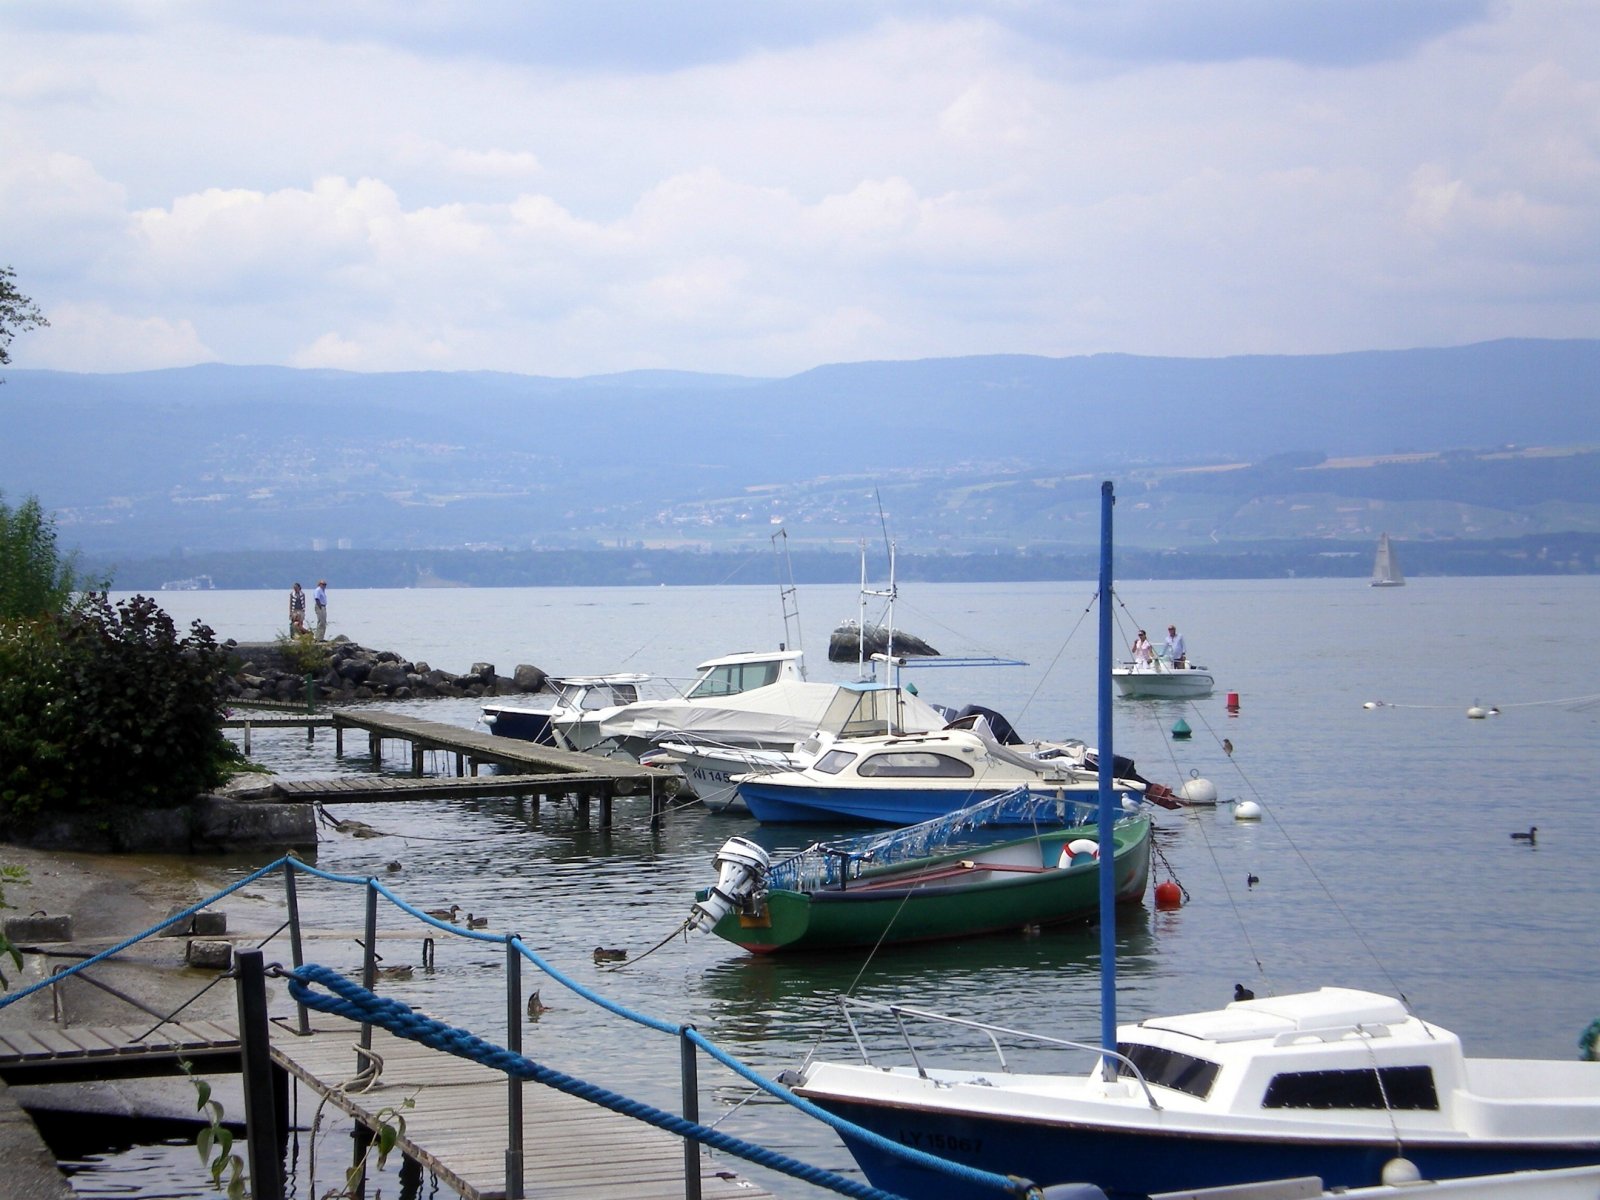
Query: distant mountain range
984, 454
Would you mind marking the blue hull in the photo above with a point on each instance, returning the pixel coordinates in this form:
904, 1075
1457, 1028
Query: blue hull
524, 726
1129, 1165
880, 806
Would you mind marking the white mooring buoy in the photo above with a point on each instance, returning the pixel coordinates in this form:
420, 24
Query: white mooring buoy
1196, 790
1247, 810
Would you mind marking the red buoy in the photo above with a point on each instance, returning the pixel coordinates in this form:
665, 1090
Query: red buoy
1169, 895
1233, 701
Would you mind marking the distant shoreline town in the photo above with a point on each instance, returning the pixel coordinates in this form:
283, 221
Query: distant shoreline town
1546, 554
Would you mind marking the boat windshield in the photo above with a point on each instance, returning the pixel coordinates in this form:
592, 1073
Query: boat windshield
863, 712
730, 679
591, 696
914, 764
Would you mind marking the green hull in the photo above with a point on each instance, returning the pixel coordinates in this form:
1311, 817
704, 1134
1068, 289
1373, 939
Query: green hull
950, 896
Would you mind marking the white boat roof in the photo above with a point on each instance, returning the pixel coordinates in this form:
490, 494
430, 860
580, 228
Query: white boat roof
750, 656
1274, 1016
598, 680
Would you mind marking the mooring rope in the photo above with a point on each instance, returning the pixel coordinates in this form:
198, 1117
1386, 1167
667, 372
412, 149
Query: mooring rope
350, 1000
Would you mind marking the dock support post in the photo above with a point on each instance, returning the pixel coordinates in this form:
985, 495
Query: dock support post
461, 764
513, 1084
605, 808
247, 739
583, 808
655, 807
255, 1056
296, 948
369, 977
691, 1112
338, 740
375, 745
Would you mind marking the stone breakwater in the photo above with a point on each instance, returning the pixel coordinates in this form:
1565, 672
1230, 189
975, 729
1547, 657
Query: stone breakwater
342, 671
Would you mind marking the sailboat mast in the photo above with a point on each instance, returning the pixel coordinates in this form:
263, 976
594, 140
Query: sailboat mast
1107, 765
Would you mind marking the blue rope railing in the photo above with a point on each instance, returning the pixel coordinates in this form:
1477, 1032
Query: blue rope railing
358, 1004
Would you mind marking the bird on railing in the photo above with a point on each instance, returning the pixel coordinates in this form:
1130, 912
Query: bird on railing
443, 914
1240, 992
476, 922
602, 954
1530, 837
1227, 747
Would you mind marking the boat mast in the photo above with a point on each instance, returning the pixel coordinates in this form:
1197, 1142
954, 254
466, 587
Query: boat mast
1106, 764
788, 595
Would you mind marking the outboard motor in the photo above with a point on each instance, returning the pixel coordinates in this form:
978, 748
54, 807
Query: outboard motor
741, 866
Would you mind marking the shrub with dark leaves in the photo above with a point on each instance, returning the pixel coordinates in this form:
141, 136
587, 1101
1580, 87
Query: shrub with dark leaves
106, 707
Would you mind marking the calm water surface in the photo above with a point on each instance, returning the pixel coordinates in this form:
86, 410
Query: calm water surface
1384, 857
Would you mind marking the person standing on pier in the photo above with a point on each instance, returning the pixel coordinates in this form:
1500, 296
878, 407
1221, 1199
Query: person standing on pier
297, 610
319, 601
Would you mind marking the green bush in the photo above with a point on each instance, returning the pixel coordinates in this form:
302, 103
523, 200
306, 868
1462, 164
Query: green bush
105, 707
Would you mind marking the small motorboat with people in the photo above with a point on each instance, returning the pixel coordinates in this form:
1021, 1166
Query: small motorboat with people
944, 878
1344, 1085
528, 717
1160, 679
1168, 675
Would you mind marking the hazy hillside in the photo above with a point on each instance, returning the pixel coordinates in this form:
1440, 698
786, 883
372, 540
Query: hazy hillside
964, 453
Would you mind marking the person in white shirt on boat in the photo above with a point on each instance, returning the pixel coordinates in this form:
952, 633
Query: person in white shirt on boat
1143, 652
1176, 653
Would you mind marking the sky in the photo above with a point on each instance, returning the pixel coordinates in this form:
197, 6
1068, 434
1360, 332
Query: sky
759, 187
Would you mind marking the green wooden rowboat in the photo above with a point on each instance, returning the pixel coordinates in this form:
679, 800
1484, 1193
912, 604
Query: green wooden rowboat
962, 893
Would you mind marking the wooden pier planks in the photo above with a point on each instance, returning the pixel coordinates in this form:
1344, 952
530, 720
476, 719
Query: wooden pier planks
362, 790
485, 747
457, 1127
62, 1053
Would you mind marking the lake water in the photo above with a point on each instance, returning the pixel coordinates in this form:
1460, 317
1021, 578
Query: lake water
1384, 857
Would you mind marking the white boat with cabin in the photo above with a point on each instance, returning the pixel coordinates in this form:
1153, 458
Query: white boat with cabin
528, 717
1158, 679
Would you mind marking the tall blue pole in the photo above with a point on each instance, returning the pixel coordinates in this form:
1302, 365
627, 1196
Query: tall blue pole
1107, 764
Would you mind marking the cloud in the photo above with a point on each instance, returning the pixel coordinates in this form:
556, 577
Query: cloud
537, 187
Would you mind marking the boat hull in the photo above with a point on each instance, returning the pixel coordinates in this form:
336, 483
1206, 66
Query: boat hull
1186, 684
786, 803
944, 899
522, 725
1137, 1163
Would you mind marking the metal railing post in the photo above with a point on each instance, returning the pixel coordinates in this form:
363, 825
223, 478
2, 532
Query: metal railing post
691, 1112
255, 1056
296, 947
514, 1182
369, 972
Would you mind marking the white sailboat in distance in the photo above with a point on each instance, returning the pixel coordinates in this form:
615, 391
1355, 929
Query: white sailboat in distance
1386, 568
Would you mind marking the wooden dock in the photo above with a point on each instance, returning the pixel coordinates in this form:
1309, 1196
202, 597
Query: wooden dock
457, 1126
540, 772
59, 1054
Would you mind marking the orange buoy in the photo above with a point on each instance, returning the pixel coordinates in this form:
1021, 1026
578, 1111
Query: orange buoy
1169, 895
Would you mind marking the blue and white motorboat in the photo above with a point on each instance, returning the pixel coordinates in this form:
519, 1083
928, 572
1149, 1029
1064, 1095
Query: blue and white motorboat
900, 779
528, 717
1346, 1086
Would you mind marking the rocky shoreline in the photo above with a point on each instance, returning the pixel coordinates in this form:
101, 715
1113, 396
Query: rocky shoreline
343, 672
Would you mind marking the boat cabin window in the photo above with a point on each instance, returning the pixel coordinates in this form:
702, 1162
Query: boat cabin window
732, 678
833, 762
1404, 1088
914, 764
1170, 1068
